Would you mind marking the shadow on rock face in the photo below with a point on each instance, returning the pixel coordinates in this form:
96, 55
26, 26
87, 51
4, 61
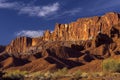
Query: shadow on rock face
61, 63
38, 55
102, 39
2, 48
77, 47
64, 52
115, 32
4, 56
88, 57
117, 52
20, 62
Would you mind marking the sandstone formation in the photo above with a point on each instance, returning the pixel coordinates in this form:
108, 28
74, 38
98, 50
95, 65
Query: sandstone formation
90, 27
77, 45
74, 31
18, 45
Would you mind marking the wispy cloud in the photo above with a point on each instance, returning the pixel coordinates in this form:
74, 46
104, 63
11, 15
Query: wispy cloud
10, 5
40, 11
30, 33
46, 11
71, 12
31, 10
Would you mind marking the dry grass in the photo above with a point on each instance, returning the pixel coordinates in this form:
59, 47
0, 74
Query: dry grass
111, 65
16, 74
60, 74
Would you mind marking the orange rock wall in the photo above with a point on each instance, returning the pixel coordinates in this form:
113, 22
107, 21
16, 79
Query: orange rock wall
18, 45
83, 28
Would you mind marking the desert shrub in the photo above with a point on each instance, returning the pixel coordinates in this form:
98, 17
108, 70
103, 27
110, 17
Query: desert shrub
50, 75
84, 75
60, 73
111, 65
97, 74
14, 75
39, 77
76, 75
42, 76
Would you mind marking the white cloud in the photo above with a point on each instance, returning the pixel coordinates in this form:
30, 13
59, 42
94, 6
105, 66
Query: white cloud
30, 33
10, 5
30, 9
71, 12
46, 11
40, 11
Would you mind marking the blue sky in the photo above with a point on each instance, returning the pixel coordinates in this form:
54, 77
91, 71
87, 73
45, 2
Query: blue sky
32, 17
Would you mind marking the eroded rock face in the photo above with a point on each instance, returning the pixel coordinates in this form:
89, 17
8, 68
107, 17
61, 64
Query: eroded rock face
19, 45
35, 41
83, 43
84, 28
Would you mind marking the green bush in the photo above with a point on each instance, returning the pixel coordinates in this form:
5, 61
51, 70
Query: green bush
111, 65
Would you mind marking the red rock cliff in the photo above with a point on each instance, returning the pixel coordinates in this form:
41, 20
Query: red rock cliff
83, 28
18, 45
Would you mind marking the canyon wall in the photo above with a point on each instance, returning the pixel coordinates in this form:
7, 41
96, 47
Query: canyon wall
82, 29
18, 45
